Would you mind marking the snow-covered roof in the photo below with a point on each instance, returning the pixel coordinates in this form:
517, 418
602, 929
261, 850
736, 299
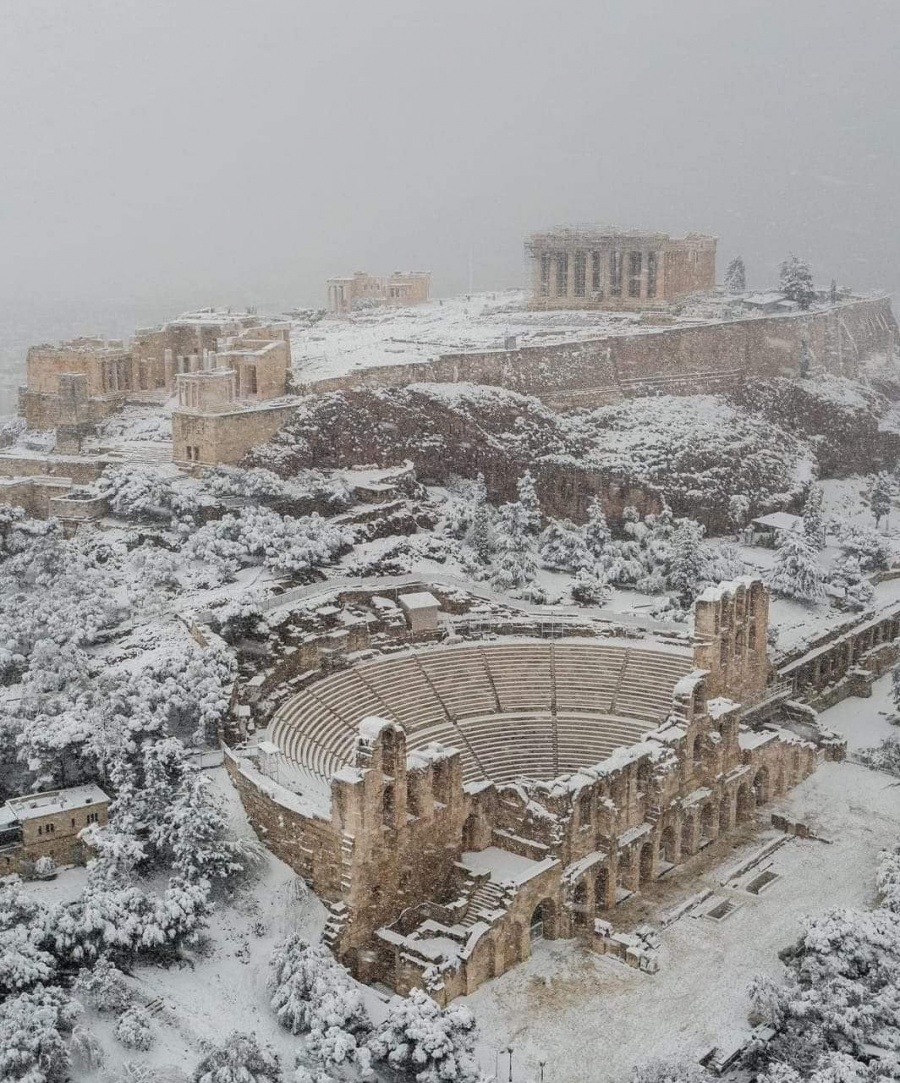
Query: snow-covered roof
503, 865
421, 600
51, 802
779, 520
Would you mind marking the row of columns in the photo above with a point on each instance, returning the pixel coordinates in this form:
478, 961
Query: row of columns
602, 259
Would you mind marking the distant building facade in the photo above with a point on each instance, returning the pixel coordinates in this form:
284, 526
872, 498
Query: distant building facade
225, 357
612, 268
360, 290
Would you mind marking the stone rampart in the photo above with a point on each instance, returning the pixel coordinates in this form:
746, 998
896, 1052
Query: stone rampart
670, 360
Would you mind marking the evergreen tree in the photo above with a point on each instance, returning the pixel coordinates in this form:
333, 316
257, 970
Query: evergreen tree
422, 1041
515, 564
596, 530
531, 506
590, 588
736, 276
881, 496
833, 292
848, 576
797, 572
796, 281
481, 534
562, 547
813, 517
687, 572
738, 510
240, 1060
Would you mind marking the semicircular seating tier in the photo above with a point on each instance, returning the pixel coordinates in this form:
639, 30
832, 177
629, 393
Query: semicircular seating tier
532, 709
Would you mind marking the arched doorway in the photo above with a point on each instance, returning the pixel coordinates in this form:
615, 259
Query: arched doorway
761, 792
724, 814
707, 823
687, 835
746, 806
645, 864
543, 922
601, 889
667, 853
580, 908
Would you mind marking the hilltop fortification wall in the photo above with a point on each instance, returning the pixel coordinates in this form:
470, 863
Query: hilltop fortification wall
670, 360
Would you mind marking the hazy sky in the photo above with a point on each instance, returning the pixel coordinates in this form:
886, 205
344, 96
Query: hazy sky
161, 153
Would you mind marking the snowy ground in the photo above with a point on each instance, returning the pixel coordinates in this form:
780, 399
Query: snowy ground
592, 1018
484, 321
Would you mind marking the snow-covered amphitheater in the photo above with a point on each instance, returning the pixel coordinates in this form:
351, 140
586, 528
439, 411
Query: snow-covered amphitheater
451, 803
534, 708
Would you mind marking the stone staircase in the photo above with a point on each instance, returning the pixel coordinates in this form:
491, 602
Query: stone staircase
484, 902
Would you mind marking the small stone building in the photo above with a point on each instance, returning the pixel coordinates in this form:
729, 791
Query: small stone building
597, 267
49, 824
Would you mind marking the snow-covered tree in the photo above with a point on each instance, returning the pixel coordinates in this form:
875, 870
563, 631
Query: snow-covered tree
193, 829
833, 292
736, 276
103, 986
688, 569
796, 281
881, 496
133, 1029
515, 564
814, 517
33, 1031
596, 530
563, 548
24, 962
848, 577
738, 510
867, 546
796, 572
241, 1059
240, 617
531, 508
590, 588
677, 1070
313, 994
427, 1043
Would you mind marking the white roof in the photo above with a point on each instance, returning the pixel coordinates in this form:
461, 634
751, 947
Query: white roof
780, 520
34, 806
422, 600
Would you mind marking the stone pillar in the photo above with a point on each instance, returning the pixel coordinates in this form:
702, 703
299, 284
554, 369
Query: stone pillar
588, 273
570, 275
661, 275
551, 284
645, 274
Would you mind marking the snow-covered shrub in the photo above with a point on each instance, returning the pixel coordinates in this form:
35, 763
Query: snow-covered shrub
882, 757
103, 986
240, 617
848, 577
133, 1029
562, 547
240, 1060
738, 511
85, 1050
312, 993
24, 962
670, 1071
33, 1031
44, 868
888, 877
150, 568
724, 564
590, 588
135, 492
868, 547
796, 572
427, 1043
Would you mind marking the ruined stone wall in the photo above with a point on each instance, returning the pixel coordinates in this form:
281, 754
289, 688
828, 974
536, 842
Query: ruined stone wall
672, 360
224, 438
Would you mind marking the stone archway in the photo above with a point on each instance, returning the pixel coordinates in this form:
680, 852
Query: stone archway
725, 813
581, 906
687, 835
645, 863
667, 848
601, 889
542, 925
746, 805
761, 787
708, 823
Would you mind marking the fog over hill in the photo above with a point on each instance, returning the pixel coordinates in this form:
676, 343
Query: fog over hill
178, 154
